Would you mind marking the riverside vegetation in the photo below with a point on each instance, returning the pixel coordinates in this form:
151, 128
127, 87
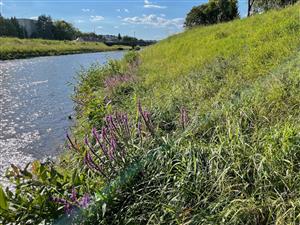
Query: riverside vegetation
201, 128
14, 48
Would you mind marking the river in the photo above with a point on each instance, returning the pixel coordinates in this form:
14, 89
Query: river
35, 105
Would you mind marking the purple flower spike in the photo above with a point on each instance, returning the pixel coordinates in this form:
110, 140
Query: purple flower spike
68, 208
74, 195
85, 201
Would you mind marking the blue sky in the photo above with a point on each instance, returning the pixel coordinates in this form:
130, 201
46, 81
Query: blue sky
147, 19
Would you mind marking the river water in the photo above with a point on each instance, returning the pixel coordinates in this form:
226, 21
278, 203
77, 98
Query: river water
35, 104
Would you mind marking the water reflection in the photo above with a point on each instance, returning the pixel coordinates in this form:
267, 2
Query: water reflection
35, 105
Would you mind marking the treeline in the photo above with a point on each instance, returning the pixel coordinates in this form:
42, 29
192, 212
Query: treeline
46, 28
11, 28
216, 11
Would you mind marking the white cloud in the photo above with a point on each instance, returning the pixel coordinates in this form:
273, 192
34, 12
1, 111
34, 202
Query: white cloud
116, 27
1, 3
96, 18
126, 10
155, 21
150, 5
118, 10
34, 18
85, 10
119, 17
100, 27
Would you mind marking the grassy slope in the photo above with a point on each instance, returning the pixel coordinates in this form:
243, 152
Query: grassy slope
12, 48
238, 162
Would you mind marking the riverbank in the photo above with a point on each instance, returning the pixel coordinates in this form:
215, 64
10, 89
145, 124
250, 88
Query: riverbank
14, 48
201, 128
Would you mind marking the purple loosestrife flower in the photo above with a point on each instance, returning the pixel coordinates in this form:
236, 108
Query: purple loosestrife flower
147, 118
92, 150
74, 195
68, 207
113, 147
90, 162
85, 201
102, 145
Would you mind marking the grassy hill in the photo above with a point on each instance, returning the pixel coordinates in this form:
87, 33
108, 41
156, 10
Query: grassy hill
237, 162
14, 48
212, 134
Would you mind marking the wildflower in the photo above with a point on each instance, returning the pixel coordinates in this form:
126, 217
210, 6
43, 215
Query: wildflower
85, 201
74, 195
147, 118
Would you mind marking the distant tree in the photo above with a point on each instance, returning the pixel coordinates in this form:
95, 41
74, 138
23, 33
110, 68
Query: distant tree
215, 11
11, 28
45, 27
119, 37
63, 30
255, 6
264, 5
132, 41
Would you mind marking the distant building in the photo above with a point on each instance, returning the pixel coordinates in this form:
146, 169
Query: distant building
29, 25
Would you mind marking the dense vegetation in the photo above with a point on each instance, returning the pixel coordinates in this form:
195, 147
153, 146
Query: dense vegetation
11, 28
215, 11
14, 48
202, 128
255, 6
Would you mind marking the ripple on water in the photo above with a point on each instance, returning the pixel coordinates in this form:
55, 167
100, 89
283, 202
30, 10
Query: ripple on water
35, 104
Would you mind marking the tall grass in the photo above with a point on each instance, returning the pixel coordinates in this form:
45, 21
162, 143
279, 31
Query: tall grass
219, 143
237, 161
14, 48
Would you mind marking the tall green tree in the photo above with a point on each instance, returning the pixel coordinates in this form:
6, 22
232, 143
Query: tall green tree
11, 28
45, 27
63, 30
215, 11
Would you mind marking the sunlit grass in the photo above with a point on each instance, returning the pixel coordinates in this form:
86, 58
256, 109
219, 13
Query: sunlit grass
12, 48
237, 163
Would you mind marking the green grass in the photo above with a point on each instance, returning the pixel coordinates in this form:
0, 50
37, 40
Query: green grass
14, 48
235, 161
238, 162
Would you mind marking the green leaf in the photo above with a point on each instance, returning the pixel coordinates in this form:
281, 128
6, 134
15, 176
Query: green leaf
3, 200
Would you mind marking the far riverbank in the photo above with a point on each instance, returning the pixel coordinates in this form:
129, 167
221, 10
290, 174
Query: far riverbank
14, 48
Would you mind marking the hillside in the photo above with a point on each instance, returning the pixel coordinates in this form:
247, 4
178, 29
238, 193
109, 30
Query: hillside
237, 160
201, 128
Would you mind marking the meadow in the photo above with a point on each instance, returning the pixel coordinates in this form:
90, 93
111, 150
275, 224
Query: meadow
201, 128
14, 48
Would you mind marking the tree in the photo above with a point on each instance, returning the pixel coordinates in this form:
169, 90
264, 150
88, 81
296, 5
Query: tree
250, 5
215, 11
11, 28
119, 37
45, 27
64, 31
255, 6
